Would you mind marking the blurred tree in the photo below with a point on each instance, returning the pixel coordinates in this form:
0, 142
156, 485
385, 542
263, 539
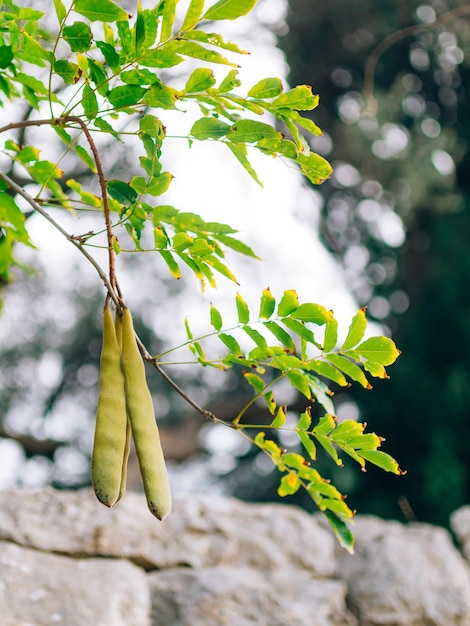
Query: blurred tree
400, 168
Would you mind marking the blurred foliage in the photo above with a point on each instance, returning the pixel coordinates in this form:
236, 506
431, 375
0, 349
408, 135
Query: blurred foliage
397, 213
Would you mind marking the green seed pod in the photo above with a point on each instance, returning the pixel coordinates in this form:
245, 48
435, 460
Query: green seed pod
127, 447
111, 419
144, 427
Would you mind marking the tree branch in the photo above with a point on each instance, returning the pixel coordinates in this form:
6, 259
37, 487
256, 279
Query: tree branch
32, 202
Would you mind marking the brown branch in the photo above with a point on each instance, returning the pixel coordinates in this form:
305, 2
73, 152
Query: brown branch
390, 40
51, 122
104, 194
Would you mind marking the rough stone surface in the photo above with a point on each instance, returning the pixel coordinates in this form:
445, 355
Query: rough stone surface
460, 523
38, 589
66, 559
406, 576
243, 597
200, 532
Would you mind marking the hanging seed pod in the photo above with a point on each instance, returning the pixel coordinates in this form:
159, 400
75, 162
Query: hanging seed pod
144, 426
111, 419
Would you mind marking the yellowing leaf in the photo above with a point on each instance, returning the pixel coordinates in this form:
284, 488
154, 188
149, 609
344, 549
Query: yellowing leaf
356, 330
381, 350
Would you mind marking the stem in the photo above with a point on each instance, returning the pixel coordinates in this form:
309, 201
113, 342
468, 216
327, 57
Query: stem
150, 359
104, 194
37, 207
391, 39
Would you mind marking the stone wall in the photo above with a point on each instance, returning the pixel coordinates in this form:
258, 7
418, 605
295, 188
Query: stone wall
65, 559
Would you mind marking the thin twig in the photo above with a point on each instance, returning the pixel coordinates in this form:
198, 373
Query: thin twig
37, 207
104, 193
149, 358
391, 39
51, 122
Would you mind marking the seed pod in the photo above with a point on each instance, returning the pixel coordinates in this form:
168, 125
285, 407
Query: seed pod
144, 426
127, 447
111, 419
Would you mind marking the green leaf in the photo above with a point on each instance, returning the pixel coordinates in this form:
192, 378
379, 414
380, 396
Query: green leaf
375, 369
301, 330
182, 241
281, 335
300, 381
290, 484
197, 51
159, 184
100, 11
331, 335
139, 30
299, 98
256, 336
289, 303
216, 318
240, 152
356, 330
209, 128
314, 313
110, 55
328, 371
161, 96
251, 131
314, 167
69, 72
266, 88
305, 420
160, 58
254, 381
322, 393
231, 343
193, 14
308, 444
213, 39
381, 350
350, 369
229, 82
201, 79
30, 14
242, 310
168, 19
172, 264
229, 9
382, 460
60, 10
280, 418
99, 76
13, 219
160, 237
86, 157
304, 122
126, 95
272, 147
237, 245
6, 56
78, 35
341, 530
122, 192
220, 267
267, 304
89, 102
127, 41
